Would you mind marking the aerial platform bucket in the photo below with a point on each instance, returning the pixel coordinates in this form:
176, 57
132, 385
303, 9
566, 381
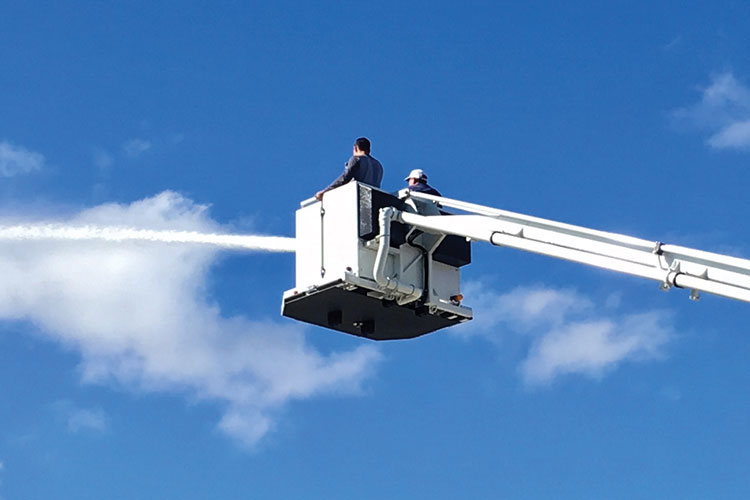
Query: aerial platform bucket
338, 260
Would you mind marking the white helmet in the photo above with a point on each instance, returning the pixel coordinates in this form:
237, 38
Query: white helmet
418, 174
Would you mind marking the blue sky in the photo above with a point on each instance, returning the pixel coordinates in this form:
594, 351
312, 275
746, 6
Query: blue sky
146, 371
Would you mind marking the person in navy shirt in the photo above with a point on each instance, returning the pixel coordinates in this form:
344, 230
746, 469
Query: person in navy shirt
361, 167
417, 180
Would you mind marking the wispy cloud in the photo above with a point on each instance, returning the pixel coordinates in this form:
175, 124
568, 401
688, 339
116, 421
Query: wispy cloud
566, 332
15, 160
79, 419
734, 136
85, 419
141, 317
723, 111
675, 42
594, 346
136, 147
102, 160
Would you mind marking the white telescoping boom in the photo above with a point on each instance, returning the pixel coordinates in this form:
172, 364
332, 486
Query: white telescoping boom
385, 266
671, 265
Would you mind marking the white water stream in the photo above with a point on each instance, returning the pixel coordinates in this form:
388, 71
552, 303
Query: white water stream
115, 234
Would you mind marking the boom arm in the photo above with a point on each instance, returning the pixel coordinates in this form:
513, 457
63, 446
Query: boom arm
671, 265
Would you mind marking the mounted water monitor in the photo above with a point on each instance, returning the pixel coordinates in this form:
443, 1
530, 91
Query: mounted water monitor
360, 273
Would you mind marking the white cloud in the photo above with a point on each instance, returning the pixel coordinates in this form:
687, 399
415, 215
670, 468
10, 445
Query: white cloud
135, 147
140, 316
82, 419
735, 135
102, 159
523, 309
15, 160
566, 332
592, 347
723, 111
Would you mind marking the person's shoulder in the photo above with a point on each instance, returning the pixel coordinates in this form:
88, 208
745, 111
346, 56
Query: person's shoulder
373, 159
354, 160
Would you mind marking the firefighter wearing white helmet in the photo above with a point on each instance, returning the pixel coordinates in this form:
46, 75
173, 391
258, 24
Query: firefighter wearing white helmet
417, 181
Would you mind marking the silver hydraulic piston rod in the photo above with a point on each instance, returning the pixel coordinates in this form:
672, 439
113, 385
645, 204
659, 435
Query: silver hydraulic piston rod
671, 265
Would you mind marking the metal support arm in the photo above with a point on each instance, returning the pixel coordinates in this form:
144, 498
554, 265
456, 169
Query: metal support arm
671, 265
407, 292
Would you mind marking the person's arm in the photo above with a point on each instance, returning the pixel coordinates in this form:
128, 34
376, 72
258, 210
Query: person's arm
342, 179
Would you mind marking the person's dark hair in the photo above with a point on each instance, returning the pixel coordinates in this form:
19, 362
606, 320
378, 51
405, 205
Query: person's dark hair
363, 144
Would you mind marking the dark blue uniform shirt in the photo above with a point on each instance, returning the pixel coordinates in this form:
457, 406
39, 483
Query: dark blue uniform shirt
423, 187
360, 168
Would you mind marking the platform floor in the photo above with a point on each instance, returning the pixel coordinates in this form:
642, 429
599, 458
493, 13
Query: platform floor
356, 313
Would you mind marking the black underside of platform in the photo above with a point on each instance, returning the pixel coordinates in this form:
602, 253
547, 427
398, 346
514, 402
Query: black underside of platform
355, 313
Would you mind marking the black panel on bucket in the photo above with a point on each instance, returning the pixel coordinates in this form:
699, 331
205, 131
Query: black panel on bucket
454, 250
358, 314
370, 202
